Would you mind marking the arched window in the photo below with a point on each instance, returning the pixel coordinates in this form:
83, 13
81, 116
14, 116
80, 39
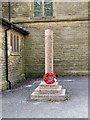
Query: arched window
43, 8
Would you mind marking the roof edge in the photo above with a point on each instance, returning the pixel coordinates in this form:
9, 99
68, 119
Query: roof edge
14, 27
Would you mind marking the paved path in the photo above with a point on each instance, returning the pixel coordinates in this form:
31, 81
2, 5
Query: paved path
16, 103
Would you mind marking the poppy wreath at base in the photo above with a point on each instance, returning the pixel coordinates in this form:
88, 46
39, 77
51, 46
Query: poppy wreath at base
45, 78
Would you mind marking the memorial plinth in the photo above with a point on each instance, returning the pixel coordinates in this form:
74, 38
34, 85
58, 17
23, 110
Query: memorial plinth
48, 92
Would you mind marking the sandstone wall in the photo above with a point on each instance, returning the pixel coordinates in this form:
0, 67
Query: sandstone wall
24, 11
70, 47
15, 61
3, 83
70, 27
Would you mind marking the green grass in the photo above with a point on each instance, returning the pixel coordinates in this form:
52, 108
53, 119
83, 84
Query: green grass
66, 99
49, 100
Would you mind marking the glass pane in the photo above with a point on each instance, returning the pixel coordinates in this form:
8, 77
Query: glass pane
37, 8
11, 42
14, 43
48, 8
17, 44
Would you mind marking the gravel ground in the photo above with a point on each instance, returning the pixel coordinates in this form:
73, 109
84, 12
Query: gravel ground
16, 102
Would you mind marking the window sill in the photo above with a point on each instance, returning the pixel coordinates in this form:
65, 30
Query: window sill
43, 18
15, 54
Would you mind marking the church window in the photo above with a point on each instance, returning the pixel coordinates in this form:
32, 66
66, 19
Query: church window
17, 43
43, 8
48, 8
14, 43
37, 8
11, 43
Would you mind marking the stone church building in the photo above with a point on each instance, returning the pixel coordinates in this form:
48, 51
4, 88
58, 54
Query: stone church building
27, 22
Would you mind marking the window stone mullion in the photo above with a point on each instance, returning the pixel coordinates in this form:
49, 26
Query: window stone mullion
42, 7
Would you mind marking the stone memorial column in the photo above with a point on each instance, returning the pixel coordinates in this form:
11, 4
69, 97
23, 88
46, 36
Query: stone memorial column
48, 92
48, 51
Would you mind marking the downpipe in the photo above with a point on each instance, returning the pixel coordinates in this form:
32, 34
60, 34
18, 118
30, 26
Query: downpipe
6, 47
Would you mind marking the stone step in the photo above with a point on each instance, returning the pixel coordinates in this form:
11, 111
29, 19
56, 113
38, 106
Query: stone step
43, 85
48, 97
48, 91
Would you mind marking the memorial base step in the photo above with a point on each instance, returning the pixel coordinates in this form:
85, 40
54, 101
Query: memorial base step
48, 92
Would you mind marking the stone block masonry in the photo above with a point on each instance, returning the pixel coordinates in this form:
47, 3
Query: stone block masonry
70, 53
15, 61
69, 24
48, 51
51, 92
24, 11
3, 83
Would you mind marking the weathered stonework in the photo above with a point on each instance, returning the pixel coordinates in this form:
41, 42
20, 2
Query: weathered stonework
15, 61
24, 11
3, 83
70, 47
48, 51
46, 92
49, 92
70, 33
